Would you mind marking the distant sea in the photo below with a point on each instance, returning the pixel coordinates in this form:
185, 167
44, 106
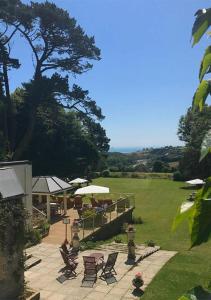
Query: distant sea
125, 149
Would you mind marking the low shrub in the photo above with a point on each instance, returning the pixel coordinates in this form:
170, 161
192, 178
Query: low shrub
118, 240
150, 243
95, 175
177, 176
134, 175
87, 245
32, 237
125, 174
137, 220
105, 173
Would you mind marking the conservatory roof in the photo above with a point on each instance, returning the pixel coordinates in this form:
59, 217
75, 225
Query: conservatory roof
9, 184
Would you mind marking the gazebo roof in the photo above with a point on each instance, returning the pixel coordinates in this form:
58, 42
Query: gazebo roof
48, 185
9, 185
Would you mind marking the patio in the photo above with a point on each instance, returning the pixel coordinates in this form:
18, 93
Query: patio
92, 223
45, 275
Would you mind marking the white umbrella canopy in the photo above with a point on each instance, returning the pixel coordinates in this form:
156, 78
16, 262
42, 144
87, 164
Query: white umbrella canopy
195, 181
78, 181
92, 189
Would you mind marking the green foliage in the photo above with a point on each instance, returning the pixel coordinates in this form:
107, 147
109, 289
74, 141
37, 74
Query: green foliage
197, 293
206, 145
205, 64
192, 129
105, 173
118, 240
150, 243
32, 237
198, 215
12, 229
58, 44
177, 176
137, 220
201, 94
201, 24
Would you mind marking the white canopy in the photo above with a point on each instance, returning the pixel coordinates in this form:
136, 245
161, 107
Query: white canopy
92, 189
195, 181
78, 181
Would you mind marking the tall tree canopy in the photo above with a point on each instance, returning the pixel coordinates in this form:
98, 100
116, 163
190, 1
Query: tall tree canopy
60, 49
192, 128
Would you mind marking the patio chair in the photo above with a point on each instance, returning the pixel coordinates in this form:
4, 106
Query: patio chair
108, 267
70, 264
91, 268
69, 252
94, 202
78, 202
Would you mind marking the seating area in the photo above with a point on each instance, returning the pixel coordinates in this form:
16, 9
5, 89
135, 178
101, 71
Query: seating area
101, 273
92, 264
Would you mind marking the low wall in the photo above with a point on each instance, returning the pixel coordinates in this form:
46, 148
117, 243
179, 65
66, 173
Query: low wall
112, 228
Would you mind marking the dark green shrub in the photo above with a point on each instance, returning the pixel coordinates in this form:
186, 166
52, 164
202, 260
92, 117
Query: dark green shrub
137, 220
118, 240
87, 245
32, 238
95, 175
177, 176
125, 174
105, 173
150, 243
134, 175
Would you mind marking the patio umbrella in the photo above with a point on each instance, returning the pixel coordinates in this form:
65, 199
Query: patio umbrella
92, 189
78, 181
195, 182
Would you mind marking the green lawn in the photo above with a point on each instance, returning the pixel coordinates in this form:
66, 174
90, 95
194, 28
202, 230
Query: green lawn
157, 202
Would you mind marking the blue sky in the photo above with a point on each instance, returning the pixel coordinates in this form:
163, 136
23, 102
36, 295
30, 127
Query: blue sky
148, 72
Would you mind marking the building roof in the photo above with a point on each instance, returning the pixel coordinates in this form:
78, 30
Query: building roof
9, 184
48, 185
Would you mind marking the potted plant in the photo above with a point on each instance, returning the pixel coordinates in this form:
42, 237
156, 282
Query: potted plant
138, 281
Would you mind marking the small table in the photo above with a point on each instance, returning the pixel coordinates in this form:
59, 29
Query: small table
98, 256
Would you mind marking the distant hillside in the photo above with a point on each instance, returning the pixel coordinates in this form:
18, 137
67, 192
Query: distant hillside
164, 159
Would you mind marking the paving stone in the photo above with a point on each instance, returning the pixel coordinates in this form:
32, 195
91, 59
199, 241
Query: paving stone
43, 276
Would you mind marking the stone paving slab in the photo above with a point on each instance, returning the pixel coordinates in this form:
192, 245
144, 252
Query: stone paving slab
43, 276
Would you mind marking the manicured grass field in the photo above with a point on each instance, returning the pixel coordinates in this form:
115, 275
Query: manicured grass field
157, 202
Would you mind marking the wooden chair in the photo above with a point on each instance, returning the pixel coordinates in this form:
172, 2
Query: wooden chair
108, 267
78, 202
70, 263
91, 268
94, 202
69, 252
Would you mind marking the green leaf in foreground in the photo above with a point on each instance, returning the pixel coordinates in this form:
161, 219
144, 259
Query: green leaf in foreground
205, 64
198, 215
197, 293
201, 24
206, 145
201, 94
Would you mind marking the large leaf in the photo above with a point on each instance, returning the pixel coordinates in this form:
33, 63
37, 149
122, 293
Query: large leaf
201, 221
206, 145
205, 64
185, 212
201, 24
197, 293
201, 94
